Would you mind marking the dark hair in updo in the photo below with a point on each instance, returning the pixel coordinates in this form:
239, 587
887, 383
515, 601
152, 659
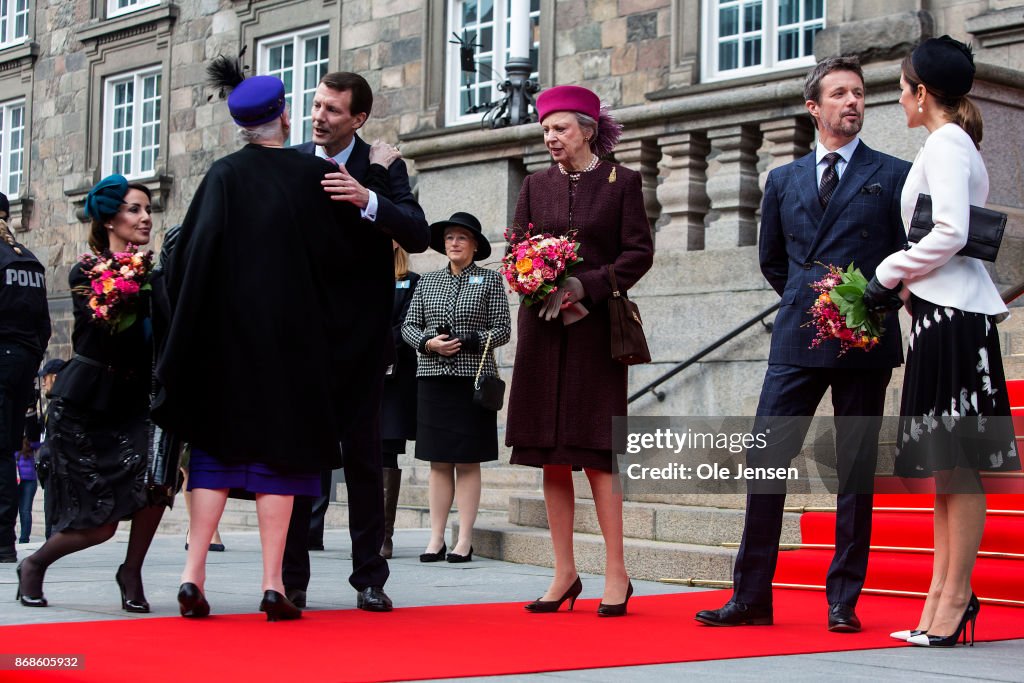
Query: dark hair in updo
960, 110
99, 240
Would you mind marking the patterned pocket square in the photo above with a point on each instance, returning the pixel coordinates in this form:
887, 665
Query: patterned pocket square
875, 188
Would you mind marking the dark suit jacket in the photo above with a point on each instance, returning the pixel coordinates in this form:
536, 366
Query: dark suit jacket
398, 215
862, 224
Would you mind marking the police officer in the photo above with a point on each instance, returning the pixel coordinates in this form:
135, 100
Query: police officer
24, 333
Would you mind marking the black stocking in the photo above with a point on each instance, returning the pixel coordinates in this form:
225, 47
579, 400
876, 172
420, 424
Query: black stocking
57, 546
144, 524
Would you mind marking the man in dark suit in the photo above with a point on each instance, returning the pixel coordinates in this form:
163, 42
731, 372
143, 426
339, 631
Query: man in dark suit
341, 105
839, 204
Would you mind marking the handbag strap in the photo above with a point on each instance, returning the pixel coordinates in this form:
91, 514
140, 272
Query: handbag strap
483, 356
615, 285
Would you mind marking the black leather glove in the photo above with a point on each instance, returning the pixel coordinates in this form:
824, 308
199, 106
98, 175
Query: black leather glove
880, 299
470, 341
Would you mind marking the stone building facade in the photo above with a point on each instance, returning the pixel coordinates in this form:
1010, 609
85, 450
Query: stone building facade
709, 91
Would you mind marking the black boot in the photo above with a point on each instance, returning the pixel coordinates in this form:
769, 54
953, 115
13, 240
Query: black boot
392, 486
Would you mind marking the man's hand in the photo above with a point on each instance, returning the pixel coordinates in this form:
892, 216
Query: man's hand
344, 188
571, 292
440, 346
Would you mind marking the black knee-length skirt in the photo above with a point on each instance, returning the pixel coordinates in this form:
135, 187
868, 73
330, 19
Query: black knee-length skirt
955, 411
449, 426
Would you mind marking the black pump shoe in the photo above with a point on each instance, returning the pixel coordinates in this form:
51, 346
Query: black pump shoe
128, 605
434, 557
539, 606
27, 600
192, 602
970, 617
618, 610
455, 558
278, 607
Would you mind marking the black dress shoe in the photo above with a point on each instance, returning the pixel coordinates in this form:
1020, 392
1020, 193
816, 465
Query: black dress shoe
373, 599
455, 558
278, 607
619, 610
842, 619
191, 602
439, 556
127, 604
296, 596
735, 613
27, 600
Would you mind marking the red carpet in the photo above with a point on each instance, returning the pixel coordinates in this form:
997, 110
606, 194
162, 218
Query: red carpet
417, 643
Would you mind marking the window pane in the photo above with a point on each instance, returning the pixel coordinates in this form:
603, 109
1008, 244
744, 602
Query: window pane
752, 17
752, 51
789, 12
728, 55
486, 11
814, 9
469, 12
809, 34
728, 21
789, 45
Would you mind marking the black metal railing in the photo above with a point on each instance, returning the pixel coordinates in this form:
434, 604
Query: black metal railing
660, 395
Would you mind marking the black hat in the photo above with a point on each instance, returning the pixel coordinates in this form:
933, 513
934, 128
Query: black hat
51, 367
460, 219
944, 64
5, 205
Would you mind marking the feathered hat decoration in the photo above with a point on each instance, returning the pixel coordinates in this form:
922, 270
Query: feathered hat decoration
252, 101
225, 73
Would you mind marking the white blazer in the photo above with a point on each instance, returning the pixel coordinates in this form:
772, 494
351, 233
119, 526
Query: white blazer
950, 169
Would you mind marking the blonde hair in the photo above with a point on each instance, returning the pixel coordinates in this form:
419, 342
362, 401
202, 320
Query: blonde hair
401, 263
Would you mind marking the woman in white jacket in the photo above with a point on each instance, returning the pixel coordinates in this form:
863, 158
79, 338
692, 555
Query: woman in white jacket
955, 410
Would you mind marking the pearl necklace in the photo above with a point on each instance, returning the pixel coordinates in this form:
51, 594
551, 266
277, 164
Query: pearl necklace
575, 175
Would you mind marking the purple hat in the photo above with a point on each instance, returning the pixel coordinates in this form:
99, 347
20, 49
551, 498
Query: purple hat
257, 100
568, 98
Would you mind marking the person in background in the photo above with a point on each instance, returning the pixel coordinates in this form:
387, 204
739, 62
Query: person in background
955, 365
27, 483
457, 317
398, 405
24, 334
47, 377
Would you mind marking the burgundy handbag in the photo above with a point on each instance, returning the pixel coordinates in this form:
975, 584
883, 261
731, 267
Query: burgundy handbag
629, 345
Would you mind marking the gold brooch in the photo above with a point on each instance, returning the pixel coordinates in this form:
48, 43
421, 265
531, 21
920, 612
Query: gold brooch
611, 176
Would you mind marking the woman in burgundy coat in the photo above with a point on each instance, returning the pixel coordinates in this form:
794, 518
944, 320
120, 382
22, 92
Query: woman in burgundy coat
565, 386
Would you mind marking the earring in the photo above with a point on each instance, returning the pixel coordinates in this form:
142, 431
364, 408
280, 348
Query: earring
920, 110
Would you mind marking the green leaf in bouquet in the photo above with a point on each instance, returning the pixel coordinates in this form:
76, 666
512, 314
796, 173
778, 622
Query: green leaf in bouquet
124, 322
847, 292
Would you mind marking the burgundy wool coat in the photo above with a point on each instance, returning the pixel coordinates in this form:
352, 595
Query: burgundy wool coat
612, 228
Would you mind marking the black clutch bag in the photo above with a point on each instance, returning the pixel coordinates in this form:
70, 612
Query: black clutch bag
488, 391
163, 475
984, 231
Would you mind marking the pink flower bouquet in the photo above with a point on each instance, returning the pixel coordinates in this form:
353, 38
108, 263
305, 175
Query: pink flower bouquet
536, 265
839, 311
115, 283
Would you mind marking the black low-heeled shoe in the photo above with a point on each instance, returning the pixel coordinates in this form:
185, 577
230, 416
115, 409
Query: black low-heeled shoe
192, 602
435, 557
618, 610
128, 605
455, 558
539, 606
278, 607
28, 600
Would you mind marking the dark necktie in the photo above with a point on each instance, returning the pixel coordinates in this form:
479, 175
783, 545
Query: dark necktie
829, 179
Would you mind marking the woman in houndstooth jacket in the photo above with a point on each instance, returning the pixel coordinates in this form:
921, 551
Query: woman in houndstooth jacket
457, 317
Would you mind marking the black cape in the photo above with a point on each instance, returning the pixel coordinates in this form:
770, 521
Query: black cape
269, 337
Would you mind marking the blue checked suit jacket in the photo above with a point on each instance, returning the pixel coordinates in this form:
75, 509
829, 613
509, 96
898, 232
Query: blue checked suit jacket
862, 224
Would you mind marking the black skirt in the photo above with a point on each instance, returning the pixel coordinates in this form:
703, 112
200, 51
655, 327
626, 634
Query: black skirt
449, 426
99, 466
955, 411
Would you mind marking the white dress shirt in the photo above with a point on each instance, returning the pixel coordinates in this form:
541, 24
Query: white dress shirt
845, 154
341, 158
950, 169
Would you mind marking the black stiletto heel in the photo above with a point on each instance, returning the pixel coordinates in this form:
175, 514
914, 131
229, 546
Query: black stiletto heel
970, 615
618, 610
27, 600
135, 606
539, 606
192, 602
278, 607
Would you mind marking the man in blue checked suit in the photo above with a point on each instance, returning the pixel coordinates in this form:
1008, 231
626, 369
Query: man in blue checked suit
837, 205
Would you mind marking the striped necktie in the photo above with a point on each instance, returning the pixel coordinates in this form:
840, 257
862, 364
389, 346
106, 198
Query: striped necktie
829, 179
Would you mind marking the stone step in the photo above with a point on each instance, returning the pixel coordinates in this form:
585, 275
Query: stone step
704, 526
406, 517
493, 476
417, 495
645, 559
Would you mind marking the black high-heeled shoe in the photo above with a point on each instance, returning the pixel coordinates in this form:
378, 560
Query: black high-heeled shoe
278, 607
28, 600
972, 605
192, 602
435, 557
970, 615
128, 605
618, 610
455, 558
539, 606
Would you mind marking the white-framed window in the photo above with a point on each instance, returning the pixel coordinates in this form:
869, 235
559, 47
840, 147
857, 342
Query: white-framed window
116, 8
12, 147
131, 123
746, 37
13, 22
487, 24
299, 59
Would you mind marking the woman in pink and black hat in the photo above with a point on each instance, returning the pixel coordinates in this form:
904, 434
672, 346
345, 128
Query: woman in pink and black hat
566, 387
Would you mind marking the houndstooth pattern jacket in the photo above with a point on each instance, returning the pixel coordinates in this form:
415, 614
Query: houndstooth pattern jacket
473, 304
